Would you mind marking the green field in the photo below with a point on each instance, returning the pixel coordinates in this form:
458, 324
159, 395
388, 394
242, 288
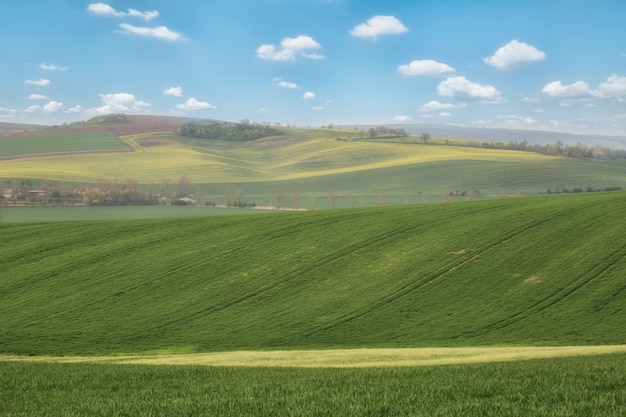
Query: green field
59, 144
533, 271
107, 298
311, 164
53, 214
594, 386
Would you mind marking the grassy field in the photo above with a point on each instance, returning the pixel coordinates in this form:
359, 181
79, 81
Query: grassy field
534, 271
59, 144
53, 214
592, 386
312, 164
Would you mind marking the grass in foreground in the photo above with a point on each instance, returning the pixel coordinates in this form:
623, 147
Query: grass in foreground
591, 386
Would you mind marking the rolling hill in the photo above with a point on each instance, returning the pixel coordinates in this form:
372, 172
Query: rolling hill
309, 162
532, 271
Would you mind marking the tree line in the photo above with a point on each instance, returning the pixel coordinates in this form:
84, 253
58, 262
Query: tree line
232, 132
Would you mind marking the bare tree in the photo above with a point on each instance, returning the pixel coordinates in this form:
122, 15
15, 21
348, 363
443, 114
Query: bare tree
333, 198
279, 196
183, 183
425, 136
297, 194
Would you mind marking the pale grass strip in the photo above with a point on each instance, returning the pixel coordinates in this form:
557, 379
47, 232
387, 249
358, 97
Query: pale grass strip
341, 358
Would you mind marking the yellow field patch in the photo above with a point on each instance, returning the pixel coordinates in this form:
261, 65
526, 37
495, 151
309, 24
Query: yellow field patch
221, 162
344, 358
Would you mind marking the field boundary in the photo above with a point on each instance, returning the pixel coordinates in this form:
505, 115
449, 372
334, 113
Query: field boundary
341, 358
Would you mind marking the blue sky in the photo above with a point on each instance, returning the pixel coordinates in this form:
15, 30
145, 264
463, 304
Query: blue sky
534, 64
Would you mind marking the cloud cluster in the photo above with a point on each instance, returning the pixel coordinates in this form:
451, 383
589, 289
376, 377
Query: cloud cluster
514, 55
52, 67
377, 26
461, 88
41, 82
157, 32
120, 103
425, 67
290, 49
173, 91
194, 104
106, 10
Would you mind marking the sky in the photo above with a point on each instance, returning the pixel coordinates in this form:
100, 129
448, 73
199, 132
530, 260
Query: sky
557, 65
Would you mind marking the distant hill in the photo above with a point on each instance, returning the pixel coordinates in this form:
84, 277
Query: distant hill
531, 271
9, 128
507, 135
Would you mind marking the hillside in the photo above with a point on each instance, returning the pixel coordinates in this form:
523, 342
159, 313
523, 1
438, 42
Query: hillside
534, 271
309, 162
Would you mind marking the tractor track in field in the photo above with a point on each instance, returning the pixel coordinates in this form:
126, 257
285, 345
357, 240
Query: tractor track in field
311, 266
436, 275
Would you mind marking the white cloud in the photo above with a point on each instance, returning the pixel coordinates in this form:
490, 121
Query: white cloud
300, 43
513, 55
425, 67
378, 25
52, 67
437, 106
173, 91
461, 88
402, 118
287, 84
76, 109
159, 32
614, 86
104, 9
37, 97
579, 89
309, 95
270, 53
289, 49
33, 108
120, 103
194, 104
445, 114
39, 82
318, 108
8, 111
53, 107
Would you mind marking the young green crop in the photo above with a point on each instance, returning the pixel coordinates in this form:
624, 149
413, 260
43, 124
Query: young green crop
535, 271
593, 386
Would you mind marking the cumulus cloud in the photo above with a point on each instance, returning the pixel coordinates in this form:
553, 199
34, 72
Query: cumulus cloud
53, 107
579, 89
309, 95
425, 67
104, 9
194, 104
614, 86
159, 32
402, 118
76, 109
173, 91
32, 108
513, 55
445, 114
52, 67
120, 103
435, 105
287, 84
37, 97
289, 49
378, 25
40, 82
462, 88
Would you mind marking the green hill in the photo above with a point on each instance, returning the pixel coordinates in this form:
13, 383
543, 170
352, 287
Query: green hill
532, 271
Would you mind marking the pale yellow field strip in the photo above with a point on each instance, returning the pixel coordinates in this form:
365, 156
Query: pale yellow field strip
342, 358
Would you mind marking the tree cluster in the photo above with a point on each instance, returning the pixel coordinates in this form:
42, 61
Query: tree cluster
233, 132
578, 151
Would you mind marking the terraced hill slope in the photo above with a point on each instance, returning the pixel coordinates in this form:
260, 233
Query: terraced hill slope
533, 271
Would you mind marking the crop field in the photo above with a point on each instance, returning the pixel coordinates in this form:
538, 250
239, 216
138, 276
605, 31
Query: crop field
588, 386
53, 214
313, 164
534, 271
58, 144
503, 307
